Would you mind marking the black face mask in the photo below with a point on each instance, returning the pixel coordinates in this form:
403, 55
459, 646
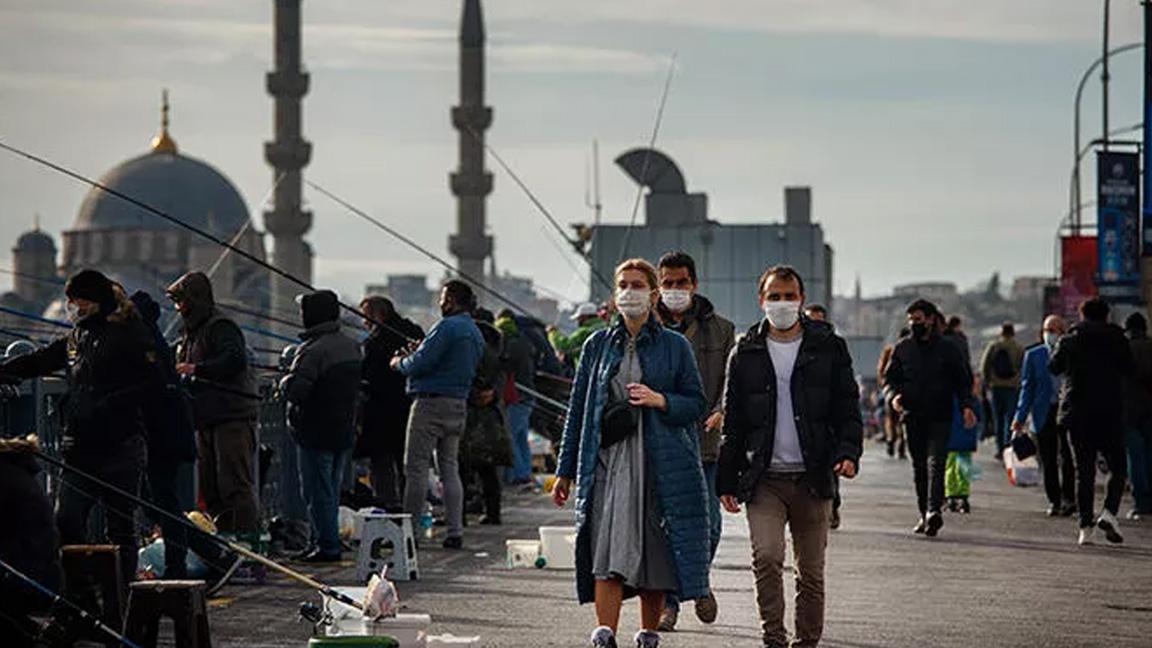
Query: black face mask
919, 330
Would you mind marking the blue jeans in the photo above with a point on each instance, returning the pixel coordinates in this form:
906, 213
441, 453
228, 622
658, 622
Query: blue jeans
671, 601
321, 474
1003, 410
519, 418
1139, 441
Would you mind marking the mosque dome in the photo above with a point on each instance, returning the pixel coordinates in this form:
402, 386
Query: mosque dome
35, 241
182, 186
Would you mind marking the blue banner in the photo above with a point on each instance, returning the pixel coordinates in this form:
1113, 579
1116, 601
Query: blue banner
1118, 225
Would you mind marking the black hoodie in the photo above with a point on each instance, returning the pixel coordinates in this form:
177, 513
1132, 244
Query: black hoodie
1093, 358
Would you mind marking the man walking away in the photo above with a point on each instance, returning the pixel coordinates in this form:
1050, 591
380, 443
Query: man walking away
440, 373
519, 359
588, 321
171, 443
212, 352
893, 426
1093, 359
925, 374
954, 332
385, 408
791, 425
486, 445
1138, 412
685, 311
1000, 367
321, 389
1040, 399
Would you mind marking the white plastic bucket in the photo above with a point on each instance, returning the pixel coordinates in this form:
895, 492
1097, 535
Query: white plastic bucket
522, 553
558, 547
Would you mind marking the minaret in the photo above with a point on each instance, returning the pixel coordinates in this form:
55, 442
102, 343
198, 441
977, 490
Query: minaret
287, 222
470, 183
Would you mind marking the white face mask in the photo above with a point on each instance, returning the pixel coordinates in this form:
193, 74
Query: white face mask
677, 301
633, 303
73, 312
1051, 338
782, 315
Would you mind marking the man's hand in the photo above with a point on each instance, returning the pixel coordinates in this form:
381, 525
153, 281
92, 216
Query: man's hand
898, 404
185, 368
560, 491
1018, 427
846, 468
485, 397
714, 422
969, 417
394, 363
729, 503
641, 396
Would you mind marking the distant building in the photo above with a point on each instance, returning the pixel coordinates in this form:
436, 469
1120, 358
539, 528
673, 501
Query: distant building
410, 295
729, 258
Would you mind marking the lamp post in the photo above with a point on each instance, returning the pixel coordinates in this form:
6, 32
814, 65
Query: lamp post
1074, 200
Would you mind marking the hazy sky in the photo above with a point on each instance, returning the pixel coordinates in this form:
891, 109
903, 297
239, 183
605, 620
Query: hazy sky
936, 134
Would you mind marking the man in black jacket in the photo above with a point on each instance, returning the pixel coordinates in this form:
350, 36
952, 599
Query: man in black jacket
925, 376
213, 354
111, 365
321, 392
791, 425
1094, 358
386, 405
171, 444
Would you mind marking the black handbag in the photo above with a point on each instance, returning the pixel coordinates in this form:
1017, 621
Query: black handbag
618, 421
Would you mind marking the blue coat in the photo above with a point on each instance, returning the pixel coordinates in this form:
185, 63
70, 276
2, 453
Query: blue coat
1037, 387
446, 360
671, 447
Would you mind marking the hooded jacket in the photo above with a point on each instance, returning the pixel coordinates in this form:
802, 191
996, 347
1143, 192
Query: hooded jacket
825, 399
384, 412
712, 338
322, 385
1094, 359
111, 364
215, 344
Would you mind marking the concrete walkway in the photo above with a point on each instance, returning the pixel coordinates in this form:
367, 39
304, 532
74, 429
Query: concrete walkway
1006, 575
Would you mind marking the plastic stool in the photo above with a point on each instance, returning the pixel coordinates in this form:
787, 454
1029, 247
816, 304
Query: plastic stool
182, 601
96, 567
386, 539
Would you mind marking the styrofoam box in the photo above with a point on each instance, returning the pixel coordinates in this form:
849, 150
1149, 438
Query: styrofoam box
522, 553
558, 546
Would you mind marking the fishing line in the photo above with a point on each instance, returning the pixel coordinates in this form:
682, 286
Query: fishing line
647, 157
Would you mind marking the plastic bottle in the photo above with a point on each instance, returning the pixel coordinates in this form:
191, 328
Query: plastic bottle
426, 523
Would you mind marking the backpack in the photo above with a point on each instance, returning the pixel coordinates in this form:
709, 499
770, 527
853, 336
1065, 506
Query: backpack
1002, 366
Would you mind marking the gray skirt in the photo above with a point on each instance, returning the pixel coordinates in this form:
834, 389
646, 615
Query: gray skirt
628, 542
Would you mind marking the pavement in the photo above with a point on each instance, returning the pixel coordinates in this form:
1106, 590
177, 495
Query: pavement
1005, 575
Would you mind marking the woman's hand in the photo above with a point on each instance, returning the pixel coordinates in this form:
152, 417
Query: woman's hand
560, 490
729, 503
641, 396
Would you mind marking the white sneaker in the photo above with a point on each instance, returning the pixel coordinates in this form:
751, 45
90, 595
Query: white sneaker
1087, 536
1111, 528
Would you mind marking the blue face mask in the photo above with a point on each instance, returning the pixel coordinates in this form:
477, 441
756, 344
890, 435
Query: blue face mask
1051, 338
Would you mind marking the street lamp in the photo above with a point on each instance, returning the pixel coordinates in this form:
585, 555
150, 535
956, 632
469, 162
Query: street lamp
1074, 197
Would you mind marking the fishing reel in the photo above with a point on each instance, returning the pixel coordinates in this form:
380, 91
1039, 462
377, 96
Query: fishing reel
319, 616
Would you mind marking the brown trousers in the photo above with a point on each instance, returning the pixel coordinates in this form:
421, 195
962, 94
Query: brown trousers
780, 501
226, 453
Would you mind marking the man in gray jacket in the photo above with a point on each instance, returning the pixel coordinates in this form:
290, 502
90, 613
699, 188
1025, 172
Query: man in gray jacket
712, 338
321, 389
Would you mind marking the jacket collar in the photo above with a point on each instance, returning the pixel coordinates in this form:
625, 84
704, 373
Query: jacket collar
323, 328
620, 332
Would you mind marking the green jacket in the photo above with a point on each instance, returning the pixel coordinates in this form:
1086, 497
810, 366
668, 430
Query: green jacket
570, 345
1015, 354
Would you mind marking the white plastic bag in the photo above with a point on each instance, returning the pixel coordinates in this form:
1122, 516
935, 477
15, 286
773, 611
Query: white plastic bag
1021, 472
381, 600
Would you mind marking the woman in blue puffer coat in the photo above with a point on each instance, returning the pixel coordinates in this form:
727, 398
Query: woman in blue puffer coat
631, 446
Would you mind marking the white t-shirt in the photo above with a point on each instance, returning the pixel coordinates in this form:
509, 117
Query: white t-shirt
786, 453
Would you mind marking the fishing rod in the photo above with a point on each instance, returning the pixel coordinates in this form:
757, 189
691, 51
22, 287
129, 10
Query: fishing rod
324, 590
57, 599
264, 316
24, 275
34, 318
647, 157
540, 206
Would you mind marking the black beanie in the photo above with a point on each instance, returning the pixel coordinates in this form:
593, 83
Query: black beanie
319, 307
93, 286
